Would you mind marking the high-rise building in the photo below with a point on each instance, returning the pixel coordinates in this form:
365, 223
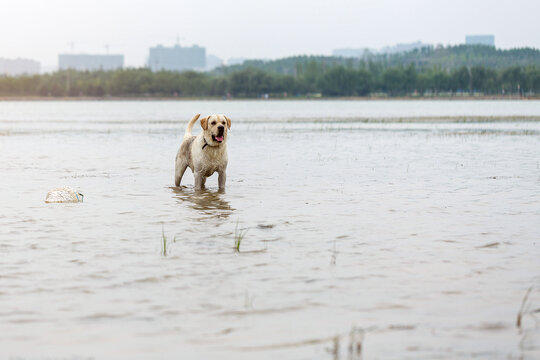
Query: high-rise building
480, 40
212, 62
235, 61
177, 58
403, 48
16, 67
87, 62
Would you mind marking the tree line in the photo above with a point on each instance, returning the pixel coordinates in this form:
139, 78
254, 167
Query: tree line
309, 78
449, 57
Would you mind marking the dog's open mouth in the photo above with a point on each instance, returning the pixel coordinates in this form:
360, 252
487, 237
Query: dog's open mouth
217, 138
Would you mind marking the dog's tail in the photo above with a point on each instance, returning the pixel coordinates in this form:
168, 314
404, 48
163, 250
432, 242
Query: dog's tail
190, 126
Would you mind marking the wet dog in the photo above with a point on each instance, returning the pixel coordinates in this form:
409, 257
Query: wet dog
205, 153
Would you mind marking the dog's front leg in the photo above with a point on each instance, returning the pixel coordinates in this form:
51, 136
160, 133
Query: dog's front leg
222, 178
199, 180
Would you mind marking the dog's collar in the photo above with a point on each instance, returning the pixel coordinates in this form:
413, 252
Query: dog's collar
205, 143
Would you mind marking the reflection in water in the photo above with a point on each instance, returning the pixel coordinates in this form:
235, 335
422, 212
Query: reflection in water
207, 202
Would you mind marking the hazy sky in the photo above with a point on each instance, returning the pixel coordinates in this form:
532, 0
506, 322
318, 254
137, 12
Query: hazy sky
41, 29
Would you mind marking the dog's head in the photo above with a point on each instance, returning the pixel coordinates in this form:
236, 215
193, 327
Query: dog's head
215, 129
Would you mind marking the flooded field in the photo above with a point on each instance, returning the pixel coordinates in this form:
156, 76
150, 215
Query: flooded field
374, 230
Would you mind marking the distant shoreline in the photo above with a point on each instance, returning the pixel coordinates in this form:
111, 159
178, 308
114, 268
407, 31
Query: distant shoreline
302, 98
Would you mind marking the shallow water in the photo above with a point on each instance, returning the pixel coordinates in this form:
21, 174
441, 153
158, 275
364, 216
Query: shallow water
420, 237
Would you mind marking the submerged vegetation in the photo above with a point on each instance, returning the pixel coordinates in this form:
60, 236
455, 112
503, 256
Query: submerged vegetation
238, 237
522, 309
165, 243
462, 70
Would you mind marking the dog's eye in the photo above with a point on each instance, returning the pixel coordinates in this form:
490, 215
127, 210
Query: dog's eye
213, 123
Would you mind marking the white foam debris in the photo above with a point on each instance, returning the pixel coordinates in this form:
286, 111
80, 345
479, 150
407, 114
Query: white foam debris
64, 195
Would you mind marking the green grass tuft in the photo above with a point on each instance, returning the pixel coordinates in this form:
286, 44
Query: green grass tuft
238, 237
164, 245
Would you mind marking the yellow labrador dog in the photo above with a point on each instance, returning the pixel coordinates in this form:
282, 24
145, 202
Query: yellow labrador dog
205, 153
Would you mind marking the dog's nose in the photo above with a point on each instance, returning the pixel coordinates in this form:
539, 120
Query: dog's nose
220, 127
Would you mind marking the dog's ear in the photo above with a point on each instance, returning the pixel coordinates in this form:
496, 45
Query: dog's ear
204, 122
228, 122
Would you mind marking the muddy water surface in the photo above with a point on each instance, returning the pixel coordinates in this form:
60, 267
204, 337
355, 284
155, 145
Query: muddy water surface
415, 239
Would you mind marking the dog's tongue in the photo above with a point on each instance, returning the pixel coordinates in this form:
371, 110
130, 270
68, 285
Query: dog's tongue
219, 138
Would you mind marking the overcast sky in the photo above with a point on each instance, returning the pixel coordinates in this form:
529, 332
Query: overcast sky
41, 29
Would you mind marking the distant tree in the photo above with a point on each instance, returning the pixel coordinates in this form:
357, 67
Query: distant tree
460, 80
531, 76
339, 81
410, 78
393, 81
251, 82
483, 79
330, 78
439, 80
364, 83
511, 78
